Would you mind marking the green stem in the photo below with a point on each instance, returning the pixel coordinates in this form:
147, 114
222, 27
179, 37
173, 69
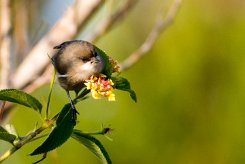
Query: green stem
50, 92
7, 154
29, 137
101, 132
36, 138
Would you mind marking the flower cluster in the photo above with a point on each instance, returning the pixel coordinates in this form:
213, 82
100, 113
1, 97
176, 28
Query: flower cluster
99, 85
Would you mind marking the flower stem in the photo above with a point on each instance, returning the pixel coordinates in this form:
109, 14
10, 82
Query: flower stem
8, 153
29, 137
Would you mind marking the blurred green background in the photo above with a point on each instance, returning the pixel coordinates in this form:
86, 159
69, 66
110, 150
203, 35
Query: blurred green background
190, 88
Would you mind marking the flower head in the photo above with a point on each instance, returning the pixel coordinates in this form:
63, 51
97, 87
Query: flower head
100, 86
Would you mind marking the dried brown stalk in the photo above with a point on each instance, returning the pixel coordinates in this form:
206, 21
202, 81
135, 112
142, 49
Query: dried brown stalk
159, 27
5, 39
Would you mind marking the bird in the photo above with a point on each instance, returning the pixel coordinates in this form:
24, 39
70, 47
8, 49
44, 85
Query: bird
76, 61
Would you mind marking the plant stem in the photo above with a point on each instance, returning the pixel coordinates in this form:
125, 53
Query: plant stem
50, 92
29, 137
8, 153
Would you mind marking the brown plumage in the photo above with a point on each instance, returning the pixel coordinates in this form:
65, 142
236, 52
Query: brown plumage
75, 61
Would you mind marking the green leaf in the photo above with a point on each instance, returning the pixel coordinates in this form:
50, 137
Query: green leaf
93, 145
6, 136
20, 97
107, 66
123, 84
61, 132
2, 129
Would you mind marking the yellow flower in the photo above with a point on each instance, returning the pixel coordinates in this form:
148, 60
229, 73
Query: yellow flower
99, 85
111, 97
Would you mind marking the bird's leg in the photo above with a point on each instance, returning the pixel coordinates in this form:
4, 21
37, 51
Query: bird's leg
74, 110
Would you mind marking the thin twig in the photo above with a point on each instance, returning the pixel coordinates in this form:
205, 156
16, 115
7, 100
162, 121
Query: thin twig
159, 27
39, 137
65, 29
5, 39
107, 23
28, 138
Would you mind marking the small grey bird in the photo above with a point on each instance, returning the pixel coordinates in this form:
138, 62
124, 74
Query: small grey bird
75, 61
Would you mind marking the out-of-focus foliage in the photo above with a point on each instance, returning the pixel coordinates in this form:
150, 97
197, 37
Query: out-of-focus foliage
190, 91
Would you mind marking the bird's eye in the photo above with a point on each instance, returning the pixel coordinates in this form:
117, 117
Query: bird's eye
84, 59
95, 54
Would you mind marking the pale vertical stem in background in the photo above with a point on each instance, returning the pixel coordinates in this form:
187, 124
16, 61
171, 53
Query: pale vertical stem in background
5, 39
21, 32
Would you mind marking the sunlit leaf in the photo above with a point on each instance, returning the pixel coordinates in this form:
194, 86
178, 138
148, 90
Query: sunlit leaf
61, 132
108, 69
6, 136
123, 84
20, 97
92, 144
